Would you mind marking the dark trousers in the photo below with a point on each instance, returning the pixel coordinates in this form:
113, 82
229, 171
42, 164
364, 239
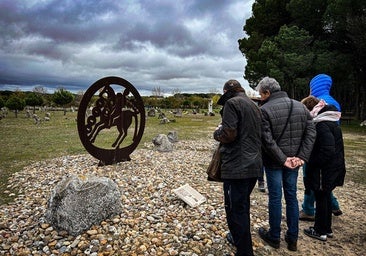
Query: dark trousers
237, 207
323, 213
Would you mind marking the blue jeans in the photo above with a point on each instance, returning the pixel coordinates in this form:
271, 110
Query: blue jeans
276, 180
309, 200
237, 208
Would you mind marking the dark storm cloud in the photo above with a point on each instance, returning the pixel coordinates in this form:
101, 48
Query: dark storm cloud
191, 45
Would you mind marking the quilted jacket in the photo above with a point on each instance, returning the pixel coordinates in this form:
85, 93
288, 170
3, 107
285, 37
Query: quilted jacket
298, 138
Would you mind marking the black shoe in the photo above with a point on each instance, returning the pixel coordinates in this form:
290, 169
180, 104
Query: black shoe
261, 187
230, 239
314, 234
291, 245
330, 235
264, 234
337, 212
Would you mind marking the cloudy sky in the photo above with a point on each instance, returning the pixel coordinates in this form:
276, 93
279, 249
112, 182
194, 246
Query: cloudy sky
185, 45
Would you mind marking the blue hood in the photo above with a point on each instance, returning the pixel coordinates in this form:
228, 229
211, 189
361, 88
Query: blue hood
320, 87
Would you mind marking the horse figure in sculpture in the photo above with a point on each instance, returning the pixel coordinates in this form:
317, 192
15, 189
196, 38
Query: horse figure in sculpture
122, 118
112, 110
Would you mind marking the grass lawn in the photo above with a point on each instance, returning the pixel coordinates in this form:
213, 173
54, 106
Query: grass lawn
23, 142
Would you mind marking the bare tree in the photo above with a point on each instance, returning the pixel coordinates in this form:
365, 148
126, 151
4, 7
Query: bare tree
157, 91
176, 91
39, 90
214, 91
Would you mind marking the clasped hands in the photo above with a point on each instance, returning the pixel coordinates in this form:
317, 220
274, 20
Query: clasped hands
293, 162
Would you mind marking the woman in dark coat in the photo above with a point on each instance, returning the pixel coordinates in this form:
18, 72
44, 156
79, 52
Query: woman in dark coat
326, 167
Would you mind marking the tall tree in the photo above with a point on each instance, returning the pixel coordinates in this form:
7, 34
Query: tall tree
296, 55
308, 15
34, 100
267, 19
333, 43
346, 24
62, 97
15, 103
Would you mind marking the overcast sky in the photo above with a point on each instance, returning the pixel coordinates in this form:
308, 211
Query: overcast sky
185, 45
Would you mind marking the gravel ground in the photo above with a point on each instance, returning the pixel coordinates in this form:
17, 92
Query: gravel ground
154, 221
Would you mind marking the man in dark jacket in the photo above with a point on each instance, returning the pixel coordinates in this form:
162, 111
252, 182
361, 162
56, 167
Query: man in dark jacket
240, 147
288, 135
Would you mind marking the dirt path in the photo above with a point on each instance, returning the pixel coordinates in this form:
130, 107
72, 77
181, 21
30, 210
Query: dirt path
349, 229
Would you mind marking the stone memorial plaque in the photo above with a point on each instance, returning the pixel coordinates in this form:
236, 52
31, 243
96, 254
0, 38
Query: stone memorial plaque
189, 195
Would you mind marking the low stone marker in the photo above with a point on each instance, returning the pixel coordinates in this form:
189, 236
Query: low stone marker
173, 136
75, 205
151, 112
162, 143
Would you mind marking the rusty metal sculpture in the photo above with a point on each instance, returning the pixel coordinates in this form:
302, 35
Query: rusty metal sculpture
122, 110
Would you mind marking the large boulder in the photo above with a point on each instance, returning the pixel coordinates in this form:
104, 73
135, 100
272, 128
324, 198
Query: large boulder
75, 205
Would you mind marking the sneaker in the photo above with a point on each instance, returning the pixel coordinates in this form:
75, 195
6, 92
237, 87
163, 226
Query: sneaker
305, 217
230, 239
261, 186
312, 233
291, 245
337, 212
330, 235
264, 234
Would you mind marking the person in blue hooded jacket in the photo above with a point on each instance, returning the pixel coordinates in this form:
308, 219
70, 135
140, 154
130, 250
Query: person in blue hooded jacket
320, 86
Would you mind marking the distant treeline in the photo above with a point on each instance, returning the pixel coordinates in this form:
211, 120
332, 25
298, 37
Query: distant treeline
179, 100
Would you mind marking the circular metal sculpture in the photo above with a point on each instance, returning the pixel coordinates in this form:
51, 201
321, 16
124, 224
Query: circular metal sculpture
111, 120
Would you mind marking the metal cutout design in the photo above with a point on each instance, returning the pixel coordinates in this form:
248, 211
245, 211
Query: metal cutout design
122, 111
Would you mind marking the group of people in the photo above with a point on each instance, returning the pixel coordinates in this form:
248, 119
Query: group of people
281, 135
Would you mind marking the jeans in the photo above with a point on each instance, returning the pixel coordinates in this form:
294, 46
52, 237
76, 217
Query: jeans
276, 180
309, 200
237, 208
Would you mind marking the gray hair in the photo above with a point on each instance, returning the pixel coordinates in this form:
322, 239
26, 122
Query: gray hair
268, 84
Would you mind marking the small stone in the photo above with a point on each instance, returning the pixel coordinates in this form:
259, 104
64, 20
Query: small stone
52, 244
92, 232
45, 225
142, 248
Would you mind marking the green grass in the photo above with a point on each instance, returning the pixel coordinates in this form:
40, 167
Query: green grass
22, 142
354, 141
